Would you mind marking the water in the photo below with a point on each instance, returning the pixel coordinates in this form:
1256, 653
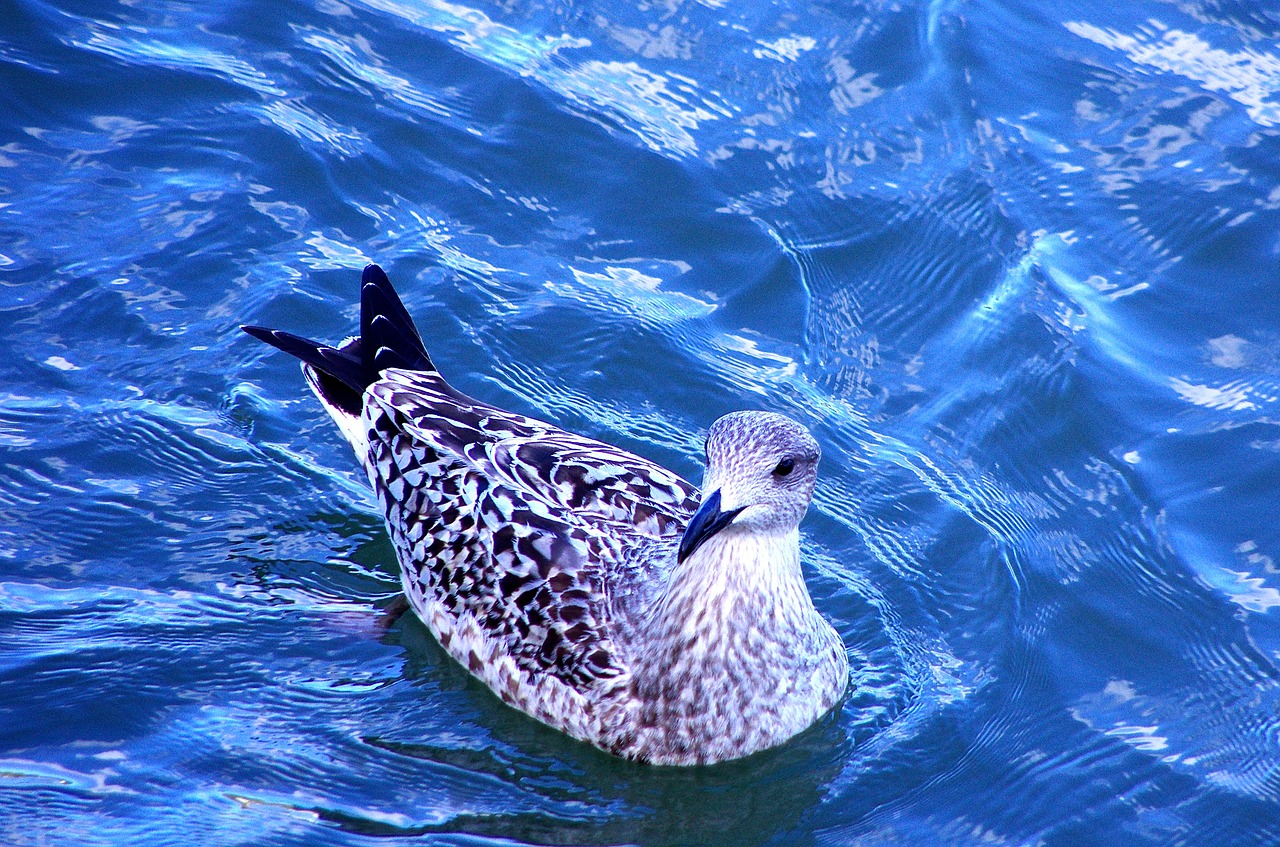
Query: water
1017, 268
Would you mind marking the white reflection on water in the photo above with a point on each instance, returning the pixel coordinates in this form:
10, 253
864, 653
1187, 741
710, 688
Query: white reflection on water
661, 110
187, 56
1249, 77
1233, 396
785, 49
636, 293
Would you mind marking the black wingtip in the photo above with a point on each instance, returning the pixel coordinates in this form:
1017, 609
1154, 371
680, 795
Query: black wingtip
388, 339
342, 365
339, 373
260, 332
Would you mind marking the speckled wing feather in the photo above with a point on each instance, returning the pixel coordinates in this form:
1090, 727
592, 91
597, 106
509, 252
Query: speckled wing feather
514, 526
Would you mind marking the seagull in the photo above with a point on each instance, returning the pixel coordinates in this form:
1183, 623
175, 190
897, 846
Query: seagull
584, 585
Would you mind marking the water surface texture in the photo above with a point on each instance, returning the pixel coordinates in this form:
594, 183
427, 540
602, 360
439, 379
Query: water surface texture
1015, 263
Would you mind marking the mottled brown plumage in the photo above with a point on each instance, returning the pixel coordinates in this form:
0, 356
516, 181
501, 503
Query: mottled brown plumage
575, 579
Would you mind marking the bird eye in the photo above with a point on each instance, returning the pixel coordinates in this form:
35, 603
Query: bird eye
785, 467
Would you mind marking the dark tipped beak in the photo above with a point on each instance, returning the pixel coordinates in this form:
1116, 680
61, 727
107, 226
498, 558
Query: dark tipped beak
706, 522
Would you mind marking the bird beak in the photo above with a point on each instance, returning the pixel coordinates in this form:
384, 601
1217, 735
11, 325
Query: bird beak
706, 522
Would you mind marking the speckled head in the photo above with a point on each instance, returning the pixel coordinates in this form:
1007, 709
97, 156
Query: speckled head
761, 469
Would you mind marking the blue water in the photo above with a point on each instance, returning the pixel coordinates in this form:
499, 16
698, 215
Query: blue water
1017, 264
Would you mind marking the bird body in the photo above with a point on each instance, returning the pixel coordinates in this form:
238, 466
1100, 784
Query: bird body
583, 584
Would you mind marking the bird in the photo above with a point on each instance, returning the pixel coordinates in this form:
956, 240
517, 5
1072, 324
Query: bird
586, 586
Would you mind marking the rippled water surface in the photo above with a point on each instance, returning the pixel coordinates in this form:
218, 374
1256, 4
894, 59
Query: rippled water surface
1017, 264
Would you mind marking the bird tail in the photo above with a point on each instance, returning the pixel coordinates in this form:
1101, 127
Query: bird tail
388, 339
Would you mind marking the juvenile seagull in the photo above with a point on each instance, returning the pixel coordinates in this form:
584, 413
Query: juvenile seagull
586, 585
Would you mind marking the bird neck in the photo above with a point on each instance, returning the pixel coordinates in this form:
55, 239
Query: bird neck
735, 657
738, 581
737, 563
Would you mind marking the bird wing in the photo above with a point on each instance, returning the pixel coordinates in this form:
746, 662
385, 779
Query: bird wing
514, 524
